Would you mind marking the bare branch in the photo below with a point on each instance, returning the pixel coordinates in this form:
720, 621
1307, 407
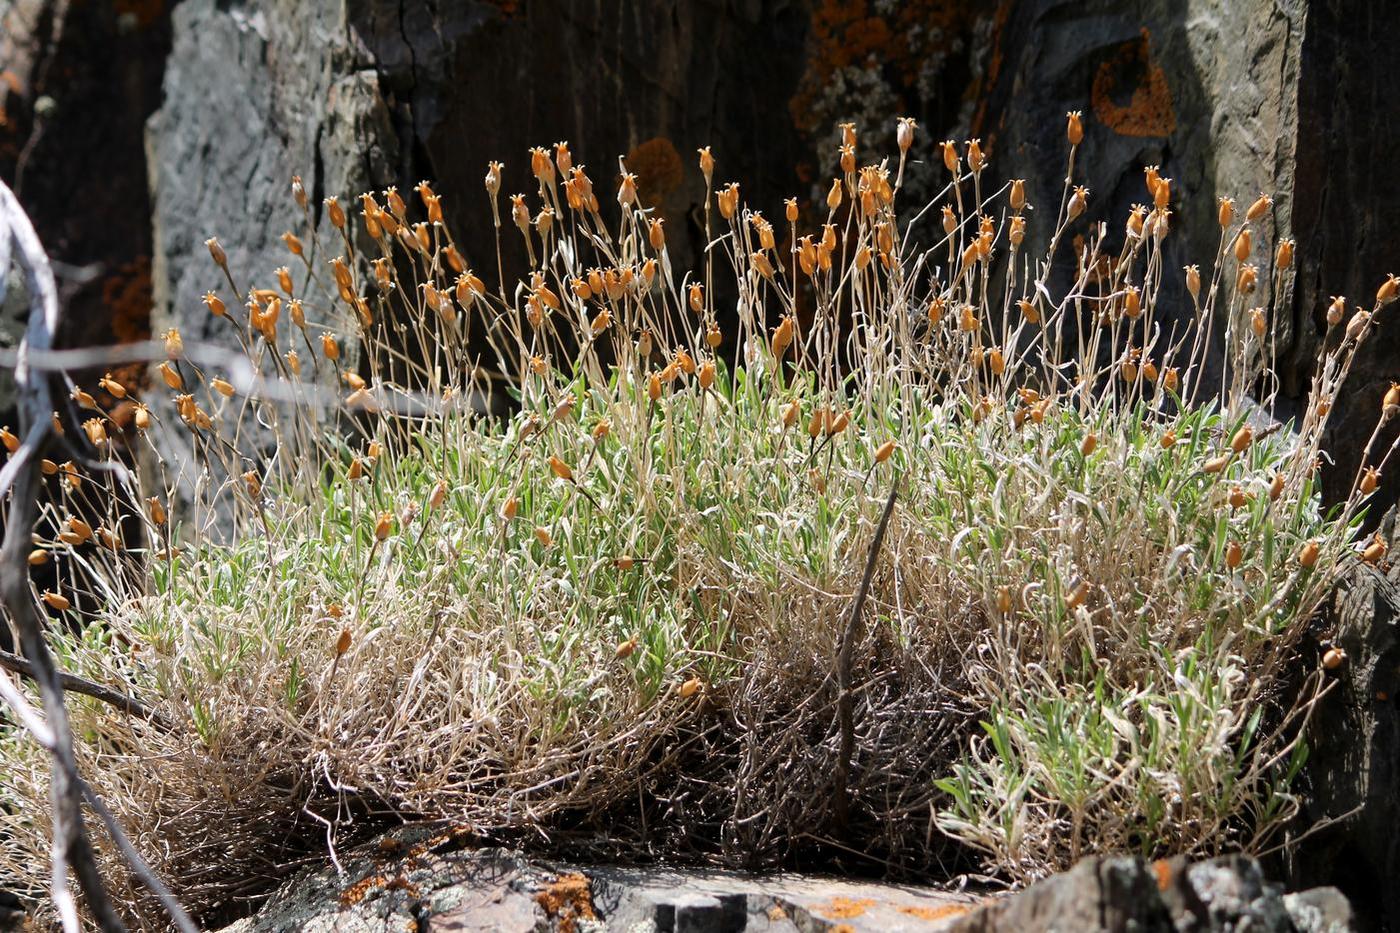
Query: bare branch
845, 712
75, 684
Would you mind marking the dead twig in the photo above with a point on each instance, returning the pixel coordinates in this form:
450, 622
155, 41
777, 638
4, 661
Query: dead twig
845, 713
75, 684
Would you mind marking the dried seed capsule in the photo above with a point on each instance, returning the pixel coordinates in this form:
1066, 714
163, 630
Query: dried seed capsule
1227, 211
56, 601
1276, 486
1078, 201
1357, 326
560, 468
1074, 130
1333, 658
624, 649
216, 252
171, 376
38, 556
1078, 593
1388, 291
1087, 445
1241, 440
790, 411
96, 432
1216, 464
690, 688
1017, 198
1132, 303
383, 525
1247, 280
975, 159
904, 133
1336, 310
1369, 481
1375, 551
1244, 244
1233, 555
1283, 258
1260, 206
1258, 322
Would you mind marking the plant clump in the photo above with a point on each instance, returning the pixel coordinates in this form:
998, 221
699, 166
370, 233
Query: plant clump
618, 607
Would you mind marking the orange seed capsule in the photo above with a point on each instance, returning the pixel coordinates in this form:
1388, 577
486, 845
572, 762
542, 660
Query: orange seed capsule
1074, 131
1276, 486
885, 451
1333, 658
1244, 244
1369, 481
560, 468
1216, 464
56, 601
383, 525
38, 556
1242, 439
171, 376
1388, 291
1260, 206
1233, 555
1374, 551
1226, 213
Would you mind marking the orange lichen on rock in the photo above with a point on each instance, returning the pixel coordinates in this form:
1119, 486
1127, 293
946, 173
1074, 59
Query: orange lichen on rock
941, 912
1148, 111
568, 899
845, 908
847, 33
1163, 870
658, 168
126, 295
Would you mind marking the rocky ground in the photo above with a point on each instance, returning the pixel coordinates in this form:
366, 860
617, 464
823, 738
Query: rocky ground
418, 880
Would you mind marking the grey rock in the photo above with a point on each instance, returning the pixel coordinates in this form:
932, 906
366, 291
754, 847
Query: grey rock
1321, 910
415, 878
1127, 894
1351, 806
1206, 90
1097, 894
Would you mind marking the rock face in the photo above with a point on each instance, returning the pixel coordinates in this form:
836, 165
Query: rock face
77, 81
1207, 91
1354, 769
415, 879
